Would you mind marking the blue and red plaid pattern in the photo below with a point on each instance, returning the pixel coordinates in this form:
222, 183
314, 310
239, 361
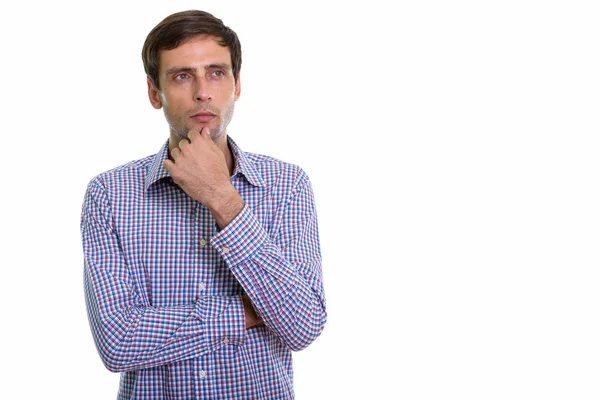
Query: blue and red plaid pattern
163, 285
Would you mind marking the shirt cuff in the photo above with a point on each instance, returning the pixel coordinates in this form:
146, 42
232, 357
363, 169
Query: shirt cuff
241, 238
224, 320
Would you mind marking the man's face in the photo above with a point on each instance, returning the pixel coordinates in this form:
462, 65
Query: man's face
197, 88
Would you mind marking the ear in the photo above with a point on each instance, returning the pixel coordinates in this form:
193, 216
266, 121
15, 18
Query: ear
154, 95
238, 87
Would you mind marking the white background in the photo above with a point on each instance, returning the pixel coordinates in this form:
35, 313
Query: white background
453, 148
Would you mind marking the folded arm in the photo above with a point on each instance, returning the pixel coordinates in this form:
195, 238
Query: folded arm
130, 333
280, 270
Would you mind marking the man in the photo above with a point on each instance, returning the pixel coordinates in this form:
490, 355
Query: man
202, 262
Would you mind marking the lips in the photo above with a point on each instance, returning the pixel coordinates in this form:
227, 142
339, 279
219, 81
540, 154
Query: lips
203, 116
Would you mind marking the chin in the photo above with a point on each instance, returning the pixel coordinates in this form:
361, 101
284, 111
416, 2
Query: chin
216, 133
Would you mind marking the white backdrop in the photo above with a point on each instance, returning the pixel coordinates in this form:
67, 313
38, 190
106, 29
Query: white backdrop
453, 148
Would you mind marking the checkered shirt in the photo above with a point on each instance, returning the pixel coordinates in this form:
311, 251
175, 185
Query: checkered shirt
163, 285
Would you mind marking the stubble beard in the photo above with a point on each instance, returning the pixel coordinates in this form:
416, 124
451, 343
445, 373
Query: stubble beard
180, 127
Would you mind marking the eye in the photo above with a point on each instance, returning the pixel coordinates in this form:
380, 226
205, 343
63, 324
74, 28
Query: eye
181, 76
218, 73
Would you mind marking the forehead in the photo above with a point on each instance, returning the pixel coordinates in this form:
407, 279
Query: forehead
195, 52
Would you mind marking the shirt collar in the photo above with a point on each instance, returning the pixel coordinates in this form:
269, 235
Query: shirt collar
244, 166
156, 171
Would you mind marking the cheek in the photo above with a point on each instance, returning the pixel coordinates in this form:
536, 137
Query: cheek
176, 97
231, 97
163, 99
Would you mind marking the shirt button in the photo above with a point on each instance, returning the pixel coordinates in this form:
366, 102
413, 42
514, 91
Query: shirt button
225, 249
202, 286
202, 242
225, 340
202, 374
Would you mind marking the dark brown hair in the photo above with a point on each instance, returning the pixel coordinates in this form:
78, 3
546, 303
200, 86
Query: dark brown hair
179, 27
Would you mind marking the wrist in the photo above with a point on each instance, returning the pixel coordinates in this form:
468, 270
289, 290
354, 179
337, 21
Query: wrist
252, 318
226, 206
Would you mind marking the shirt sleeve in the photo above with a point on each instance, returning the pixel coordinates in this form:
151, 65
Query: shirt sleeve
130, 333
280, 270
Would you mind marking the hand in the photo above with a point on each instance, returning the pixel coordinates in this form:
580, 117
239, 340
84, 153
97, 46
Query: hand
200, 169
252, 319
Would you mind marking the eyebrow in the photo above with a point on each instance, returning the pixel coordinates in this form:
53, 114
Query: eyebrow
219, 65
174, 70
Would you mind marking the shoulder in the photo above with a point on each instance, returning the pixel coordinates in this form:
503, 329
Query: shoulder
277, 172
125, 176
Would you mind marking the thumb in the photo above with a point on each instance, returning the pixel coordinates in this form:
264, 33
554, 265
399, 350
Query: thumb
206, 133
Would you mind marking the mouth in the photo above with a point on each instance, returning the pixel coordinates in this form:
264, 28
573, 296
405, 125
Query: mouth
203, 116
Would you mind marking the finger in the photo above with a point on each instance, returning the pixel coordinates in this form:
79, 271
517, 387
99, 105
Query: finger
205, 133
192, 135
176, 153
168, 164
183, 143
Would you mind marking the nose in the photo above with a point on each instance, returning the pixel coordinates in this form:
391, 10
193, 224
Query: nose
202, 92
201, 96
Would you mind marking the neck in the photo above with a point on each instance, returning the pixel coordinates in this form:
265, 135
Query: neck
221, 143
